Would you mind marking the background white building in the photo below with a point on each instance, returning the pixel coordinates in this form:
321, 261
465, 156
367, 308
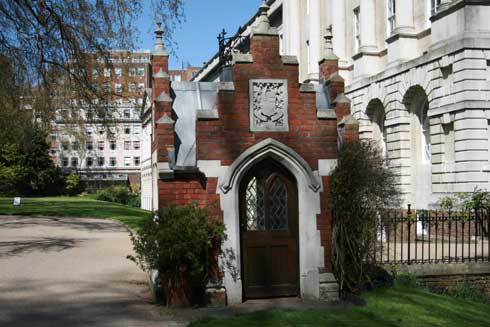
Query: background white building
418, 75
107, 149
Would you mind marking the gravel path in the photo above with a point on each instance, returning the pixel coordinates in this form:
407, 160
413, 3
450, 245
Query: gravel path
72, 272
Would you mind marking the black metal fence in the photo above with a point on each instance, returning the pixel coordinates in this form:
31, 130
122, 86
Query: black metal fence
425, 236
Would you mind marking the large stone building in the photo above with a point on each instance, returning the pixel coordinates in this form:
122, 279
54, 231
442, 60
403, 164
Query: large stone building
105, 150
417, 73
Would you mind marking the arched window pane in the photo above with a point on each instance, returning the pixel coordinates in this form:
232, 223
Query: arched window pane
278, 205
255, 205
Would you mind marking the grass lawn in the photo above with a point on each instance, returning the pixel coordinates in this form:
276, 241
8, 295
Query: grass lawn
73, 207
385, 307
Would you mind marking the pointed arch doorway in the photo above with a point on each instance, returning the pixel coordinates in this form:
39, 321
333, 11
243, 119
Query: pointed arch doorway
269, 231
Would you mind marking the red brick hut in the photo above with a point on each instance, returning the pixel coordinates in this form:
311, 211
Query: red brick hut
258, 147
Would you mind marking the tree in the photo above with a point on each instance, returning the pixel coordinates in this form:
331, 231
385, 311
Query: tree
29, 170
50, 44
362, 188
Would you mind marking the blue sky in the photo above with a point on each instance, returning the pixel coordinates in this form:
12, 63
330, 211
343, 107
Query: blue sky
196, 37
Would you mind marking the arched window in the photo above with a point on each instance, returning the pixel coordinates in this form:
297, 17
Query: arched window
425, 145
377, 117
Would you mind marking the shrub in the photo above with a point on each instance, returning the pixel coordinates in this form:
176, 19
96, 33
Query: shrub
72, 184
469, 292
406, 280
177, 243
362, 187
119, 194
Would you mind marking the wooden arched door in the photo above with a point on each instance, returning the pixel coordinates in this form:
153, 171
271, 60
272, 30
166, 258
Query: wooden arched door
269, 232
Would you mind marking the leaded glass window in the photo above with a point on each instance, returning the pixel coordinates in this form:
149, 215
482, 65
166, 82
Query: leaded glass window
266, 207
278, 205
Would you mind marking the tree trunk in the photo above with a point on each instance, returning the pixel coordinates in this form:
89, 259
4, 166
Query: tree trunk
178, 289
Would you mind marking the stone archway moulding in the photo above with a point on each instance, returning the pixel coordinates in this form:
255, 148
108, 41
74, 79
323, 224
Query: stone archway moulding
267, 148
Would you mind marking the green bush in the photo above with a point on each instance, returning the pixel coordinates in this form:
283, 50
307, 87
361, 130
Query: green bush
119, 194
406, 280
177, 243
469, 292
72, 184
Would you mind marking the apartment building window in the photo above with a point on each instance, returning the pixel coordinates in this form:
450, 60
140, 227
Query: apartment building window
89, 130
132, 71
100, 161
113, 145
100, 145
90, 145
141, 71
391, 16
100, 130
74, 145
127, 161
65, 146
90, 162
95, 87
107, 72
127, 129
357, 29
95, 72
136, 161
434, 6
53, 137
64, 162
127, 145
132, 87
136, 129
127, 113
107, 88
74, 162
112, 161
118, 88
52, 152
118, 72
136, 145
141, 87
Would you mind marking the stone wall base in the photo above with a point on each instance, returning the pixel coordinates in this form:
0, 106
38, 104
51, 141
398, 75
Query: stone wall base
329, 288
215, 295
445, 277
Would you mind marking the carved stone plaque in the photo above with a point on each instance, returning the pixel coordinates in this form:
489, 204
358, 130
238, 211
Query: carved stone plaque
269, 105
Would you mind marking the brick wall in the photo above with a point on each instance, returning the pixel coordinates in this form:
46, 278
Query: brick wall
229, 136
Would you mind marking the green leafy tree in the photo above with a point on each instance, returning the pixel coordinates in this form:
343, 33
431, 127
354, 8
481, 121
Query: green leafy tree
362, 187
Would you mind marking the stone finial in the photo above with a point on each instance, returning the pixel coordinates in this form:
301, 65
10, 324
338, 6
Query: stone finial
263, 20
329, 54
159, 46
263, 24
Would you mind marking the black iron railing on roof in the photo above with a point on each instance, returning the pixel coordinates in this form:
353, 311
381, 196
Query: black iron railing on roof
228, 45
425, 236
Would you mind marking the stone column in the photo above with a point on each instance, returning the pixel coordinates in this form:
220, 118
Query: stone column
314, 39
338, 24
404, 16
291, 30
368, 26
